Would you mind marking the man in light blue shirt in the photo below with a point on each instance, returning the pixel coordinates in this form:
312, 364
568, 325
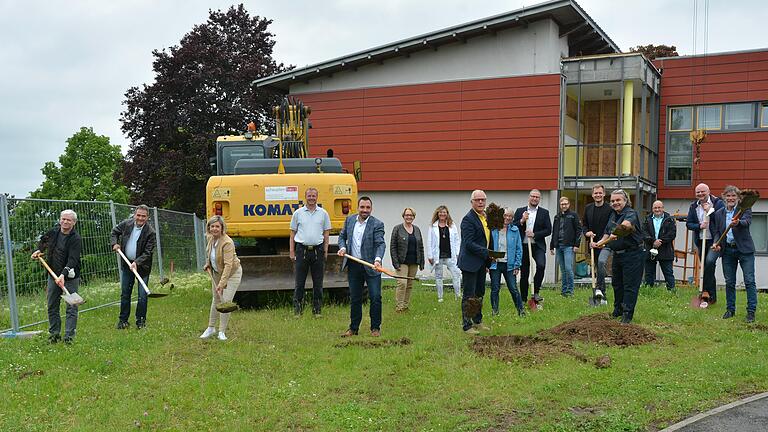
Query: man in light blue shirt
660, 232
310, 229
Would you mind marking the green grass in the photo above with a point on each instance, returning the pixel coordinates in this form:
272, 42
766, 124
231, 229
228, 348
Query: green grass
281, 373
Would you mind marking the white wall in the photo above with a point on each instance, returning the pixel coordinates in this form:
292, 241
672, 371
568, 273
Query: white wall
388, 207
761, 262
536, 49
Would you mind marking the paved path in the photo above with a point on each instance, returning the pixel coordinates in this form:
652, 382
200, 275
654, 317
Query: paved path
746, 415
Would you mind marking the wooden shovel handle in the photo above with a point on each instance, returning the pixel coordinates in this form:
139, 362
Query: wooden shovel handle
728, 228
141, 281
387, 272
53, 275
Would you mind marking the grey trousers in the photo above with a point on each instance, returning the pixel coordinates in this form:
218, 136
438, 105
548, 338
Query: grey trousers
54, 315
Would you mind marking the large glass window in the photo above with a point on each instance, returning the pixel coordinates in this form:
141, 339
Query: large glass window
764, 115
679, 158
739, 116
708, 117
230, 155
681, 119
759, 230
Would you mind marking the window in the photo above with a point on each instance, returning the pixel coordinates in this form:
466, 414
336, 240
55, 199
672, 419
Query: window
759, 230
739, 116
764, 115
679, 158
681, 119
708, 117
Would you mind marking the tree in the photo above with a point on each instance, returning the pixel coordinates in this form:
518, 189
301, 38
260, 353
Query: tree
202, 89
652, 52
86, 171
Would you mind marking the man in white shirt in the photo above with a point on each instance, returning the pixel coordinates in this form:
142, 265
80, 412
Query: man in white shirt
535, 225
363, 238
310, 228
137, 240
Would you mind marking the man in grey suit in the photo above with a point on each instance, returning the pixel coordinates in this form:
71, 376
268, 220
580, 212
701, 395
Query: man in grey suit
363, 237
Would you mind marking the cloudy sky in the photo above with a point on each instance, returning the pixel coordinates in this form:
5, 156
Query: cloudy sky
64, 65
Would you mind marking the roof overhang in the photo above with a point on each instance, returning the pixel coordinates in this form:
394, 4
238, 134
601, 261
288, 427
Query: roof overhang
584, 37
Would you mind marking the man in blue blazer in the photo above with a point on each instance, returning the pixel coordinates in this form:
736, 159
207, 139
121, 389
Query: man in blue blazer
737, 248
535, 226
698, 221
473, 262
363, 237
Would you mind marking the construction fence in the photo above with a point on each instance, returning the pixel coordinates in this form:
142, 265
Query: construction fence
180, 247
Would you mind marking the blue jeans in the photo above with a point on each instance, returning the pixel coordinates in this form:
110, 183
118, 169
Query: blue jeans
357, 276
127, 279
666, 270
565, 256
627, 273
731, 258
473, 284
509, 277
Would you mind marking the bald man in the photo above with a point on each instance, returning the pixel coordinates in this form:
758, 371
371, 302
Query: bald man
698, 222
660, 231
473, 262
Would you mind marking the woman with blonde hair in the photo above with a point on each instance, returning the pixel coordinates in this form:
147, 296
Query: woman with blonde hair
407, 251
444, 250
224, 265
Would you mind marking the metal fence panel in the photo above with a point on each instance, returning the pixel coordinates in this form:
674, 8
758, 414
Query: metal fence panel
28, 219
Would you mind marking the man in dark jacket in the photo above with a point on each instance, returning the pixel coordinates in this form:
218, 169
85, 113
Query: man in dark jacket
535, 225
698, 222
566, 238
596, 216
660, 231
137, 240
737, 248
473, 262
62, 246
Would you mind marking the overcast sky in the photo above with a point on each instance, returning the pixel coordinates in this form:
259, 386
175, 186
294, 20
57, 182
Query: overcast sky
67, 64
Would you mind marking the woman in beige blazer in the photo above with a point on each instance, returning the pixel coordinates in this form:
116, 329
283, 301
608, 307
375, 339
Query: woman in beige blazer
227, 273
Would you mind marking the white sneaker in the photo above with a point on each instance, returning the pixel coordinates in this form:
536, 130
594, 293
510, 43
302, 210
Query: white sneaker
210, 331
599, 294
440, 300
222, 336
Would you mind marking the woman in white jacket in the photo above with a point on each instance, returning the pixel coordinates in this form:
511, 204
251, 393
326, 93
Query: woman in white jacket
444, 250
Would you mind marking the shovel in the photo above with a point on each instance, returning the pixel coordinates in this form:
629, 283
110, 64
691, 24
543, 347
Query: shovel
747, 199
592, 300
73, 299
532, 304
701, 300
141, 281
225, 307
386, 271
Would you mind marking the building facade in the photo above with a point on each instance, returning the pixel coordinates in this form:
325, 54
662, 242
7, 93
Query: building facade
536, 98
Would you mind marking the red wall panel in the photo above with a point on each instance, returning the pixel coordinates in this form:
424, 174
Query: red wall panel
738, 158
500, 134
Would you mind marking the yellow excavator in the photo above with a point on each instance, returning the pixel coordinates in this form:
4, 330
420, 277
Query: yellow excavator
260, 181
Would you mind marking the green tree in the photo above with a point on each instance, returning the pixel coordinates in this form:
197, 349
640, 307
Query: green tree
652, 52
202, 89
86, 171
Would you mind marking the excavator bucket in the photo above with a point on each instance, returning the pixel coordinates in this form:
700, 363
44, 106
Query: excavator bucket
276, 273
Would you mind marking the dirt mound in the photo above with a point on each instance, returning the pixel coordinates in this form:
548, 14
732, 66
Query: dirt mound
601, 329
598, 328
380, 343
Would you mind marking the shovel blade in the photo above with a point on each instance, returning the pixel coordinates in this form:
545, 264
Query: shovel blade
698, 303
73, 299
157, 295
227, 307
532, 305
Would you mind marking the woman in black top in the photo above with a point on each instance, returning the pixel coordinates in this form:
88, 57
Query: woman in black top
407, 251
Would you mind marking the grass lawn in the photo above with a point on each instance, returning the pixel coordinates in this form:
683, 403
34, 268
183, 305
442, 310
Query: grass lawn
280, 373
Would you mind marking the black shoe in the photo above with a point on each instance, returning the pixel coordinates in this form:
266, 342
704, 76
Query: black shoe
750, 317
67, 341
616, 313
728, 314
141, 324
626, 318
122, 325
495, 313
54, 338
521, 312
537, 298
